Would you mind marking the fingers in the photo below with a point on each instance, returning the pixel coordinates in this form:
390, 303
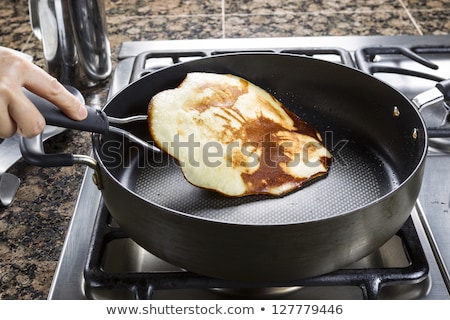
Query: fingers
49, 88
7, 124
17, 112
28, 119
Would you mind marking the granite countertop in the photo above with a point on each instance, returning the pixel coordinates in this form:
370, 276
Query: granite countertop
33, 228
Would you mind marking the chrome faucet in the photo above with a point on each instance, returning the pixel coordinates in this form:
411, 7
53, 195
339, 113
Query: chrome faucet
74, 39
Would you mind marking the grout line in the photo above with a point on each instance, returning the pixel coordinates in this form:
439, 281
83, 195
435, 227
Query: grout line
414, 22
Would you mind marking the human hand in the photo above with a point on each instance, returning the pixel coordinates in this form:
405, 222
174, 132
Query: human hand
17, 112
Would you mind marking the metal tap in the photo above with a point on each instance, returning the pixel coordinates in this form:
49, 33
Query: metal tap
74, 39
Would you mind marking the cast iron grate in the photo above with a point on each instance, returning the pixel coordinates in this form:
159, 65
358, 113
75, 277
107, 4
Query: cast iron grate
365, 59
150, 61
142, 285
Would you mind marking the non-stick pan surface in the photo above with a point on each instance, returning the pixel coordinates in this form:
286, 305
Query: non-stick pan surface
358, 178
376, 136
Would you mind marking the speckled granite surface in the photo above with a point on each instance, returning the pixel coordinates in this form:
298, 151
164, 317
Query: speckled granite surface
33, 228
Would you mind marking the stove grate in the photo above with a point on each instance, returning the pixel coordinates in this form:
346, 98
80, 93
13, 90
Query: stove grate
376, 60
150, 61
366, 60
142, 285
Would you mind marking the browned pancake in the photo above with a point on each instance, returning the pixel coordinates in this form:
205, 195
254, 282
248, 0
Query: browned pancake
234, 137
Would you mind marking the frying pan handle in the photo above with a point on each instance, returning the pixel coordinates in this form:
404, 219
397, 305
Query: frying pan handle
33, 152
441, 92
96, 120
444, 87
32, 148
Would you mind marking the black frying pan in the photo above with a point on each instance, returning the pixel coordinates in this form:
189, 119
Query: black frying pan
379, 144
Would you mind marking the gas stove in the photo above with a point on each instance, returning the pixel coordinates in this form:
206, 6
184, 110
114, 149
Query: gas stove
99, 261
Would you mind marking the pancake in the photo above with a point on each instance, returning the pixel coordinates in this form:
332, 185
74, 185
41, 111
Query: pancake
233, 137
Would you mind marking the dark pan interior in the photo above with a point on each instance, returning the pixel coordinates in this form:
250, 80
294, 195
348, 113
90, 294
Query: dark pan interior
374, 151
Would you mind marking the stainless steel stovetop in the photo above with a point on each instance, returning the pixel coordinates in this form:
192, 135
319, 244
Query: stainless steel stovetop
430, 218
